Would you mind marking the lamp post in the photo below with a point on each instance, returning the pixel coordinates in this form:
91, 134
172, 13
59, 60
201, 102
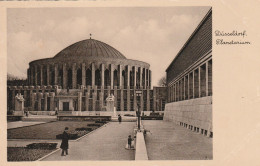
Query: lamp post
138, 113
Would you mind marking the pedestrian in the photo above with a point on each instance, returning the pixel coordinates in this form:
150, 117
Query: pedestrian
65, 142
129, 142
119, 118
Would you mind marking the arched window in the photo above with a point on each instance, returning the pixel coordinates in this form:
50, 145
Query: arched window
88, 77
115, 78
52, 76
60, 77
79, 77
124, 80
107, 78
97, 77
131, 78
69, 78
44, 75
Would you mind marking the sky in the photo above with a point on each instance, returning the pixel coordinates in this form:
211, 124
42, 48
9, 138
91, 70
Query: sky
151, 34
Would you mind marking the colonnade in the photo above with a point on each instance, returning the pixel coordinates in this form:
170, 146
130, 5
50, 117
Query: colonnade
72, 75
47, 98
195, 83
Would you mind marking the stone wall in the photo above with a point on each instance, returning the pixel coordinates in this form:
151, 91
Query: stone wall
194, 114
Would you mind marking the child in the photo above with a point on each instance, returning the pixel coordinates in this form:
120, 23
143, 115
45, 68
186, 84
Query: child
129, 142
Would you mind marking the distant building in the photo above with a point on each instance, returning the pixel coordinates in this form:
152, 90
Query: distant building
189, 82
80, 78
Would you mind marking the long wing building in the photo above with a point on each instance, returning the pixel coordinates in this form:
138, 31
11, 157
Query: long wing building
189, 82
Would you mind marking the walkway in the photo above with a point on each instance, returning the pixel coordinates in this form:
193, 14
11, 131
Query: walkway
169, 141
106, 143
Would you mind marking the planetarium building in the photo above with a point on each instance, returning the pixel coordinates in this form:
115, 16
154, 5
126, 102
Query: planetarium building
82, 76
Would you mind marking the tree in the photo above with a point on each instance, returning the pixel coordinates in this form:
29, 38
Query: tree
162, 81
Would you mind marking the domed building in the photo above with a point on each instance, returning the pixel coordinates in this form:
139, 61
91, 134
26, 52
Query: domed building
83, 75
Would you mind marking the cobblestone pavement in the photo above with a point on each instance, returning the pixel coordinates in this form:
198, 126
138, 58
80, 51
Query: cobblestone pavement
106, 143
11, 125
169, 141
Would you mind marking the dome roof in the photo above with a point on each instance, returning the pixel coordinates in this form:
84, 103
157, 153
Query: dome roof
90, 48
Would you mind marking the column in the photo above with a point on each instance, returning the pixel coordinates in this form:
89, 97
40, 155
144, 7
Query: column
56, 74
145, 73
87, 101
93, 74
207, 79
115, 94
79, 101
102, 75
48, 74
74, 76
154, 100
112, 76
150, 78
141, 78
122, 100
101, 97
148, 82
128, 75
134, 77
52, 105
33, 101
142, 101
83, 69
135, 102
193, 86
175, 92
199, 80
184, 83
45, 101
128, 98
41, 75
188, 86
120, 76
94, 100
148, 99
64, 76
39, 101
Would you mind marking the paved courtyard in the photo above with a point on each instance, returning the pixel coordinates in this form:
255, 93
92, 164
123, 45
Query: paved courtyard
106, 143
169, 141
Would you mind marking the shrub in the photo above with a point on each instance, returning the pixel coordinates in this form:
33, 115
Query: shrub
129, 115
102, 122
95, 124
84, 129
49, 146
25, 154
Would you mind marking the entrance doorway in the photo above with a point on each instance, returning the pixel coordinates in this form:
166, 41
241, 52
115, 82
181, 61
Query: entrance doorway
65, 106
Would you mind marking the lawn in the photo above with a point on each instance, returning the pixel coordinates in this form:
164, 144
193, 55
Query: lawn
24, 154
46, 130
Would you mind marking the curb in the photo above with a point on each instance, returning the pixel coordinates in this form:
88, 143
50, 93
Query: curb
48, 154
90, 133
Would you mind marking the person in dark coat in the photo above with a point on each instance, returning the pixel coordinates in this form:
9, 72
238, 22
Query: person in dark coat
119, 118
65, 142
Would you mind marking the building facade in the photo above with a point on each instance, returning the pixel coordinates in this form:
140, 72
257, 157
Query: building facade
82, 76
189, 82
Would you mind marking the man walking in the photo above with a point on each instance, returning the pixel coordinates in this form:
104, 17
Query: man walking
119, 118
65, 142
